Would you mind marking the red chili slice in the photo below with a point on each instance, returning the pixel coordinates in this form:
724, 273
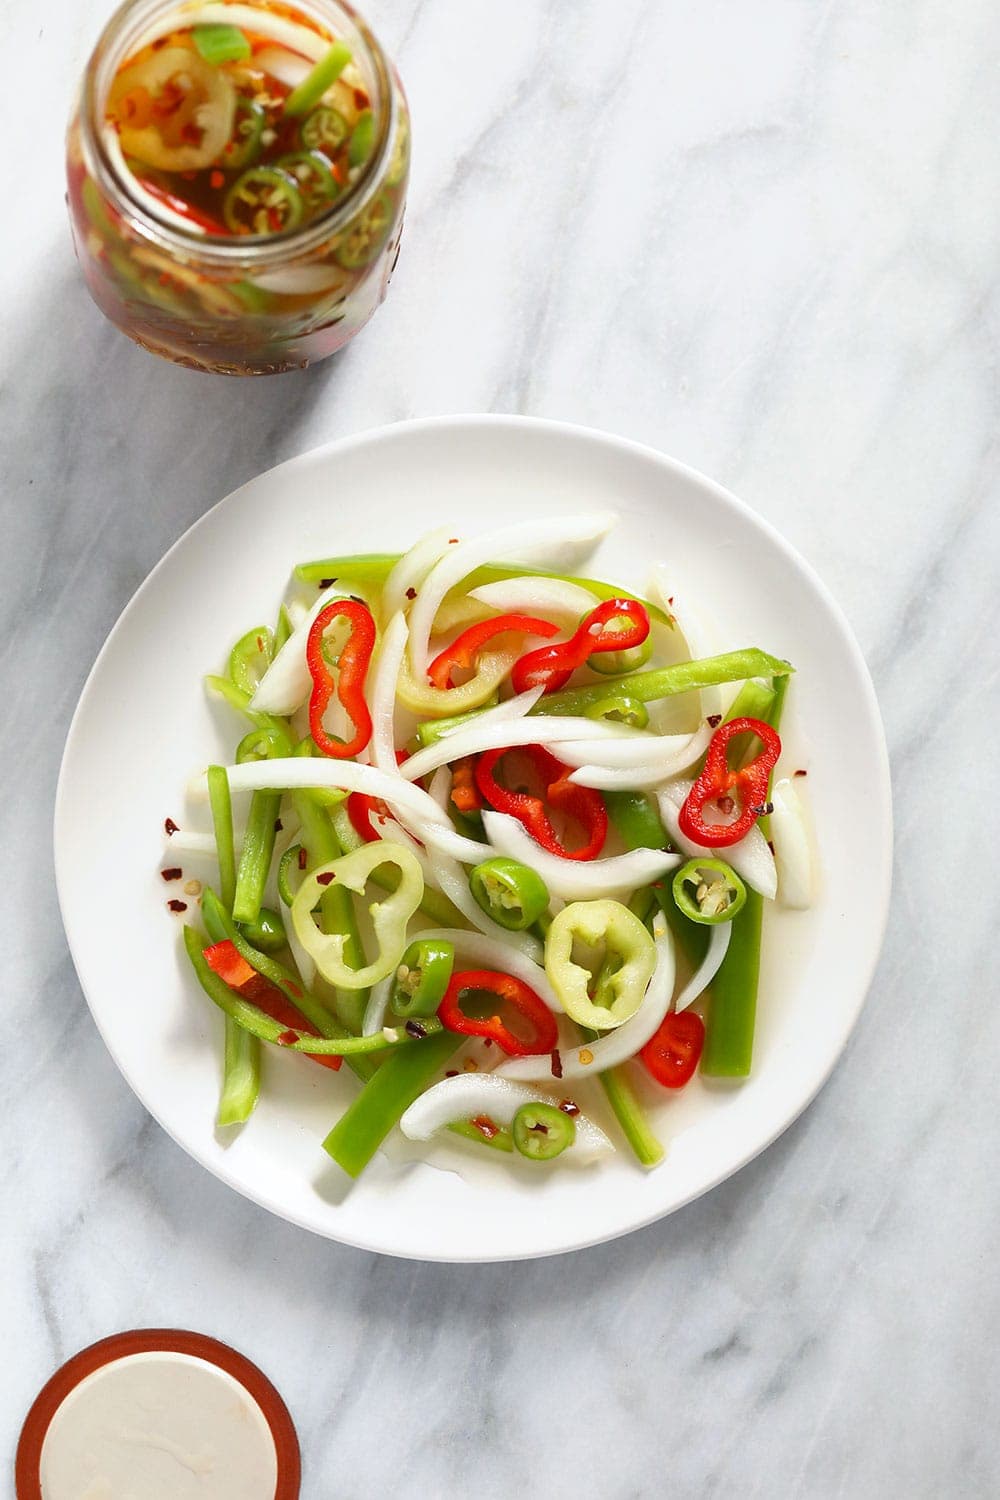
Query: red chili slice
718, 781
463, 651
672, 1055
551, 667
581, 803
355, 659
514, 992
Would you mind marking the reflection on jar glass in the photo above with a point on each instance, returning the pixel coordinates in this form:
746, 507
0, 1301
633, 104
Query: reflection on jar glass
237, 178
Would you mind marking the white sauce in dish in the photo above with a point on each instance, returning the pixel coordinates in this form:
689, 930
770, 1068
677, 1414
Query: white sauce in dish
159, 1426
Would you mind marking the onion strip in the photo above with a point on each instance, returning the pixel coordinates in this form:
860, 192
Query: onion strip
573, 879
471, 1094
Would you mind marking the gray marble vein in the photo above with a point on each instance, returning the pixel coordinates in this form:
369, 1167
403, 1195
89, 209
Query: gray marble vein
765, 238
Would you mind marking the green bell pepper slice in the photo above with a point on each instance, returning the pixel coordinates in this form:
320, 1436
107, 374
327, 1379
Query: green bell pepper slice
542, 1131
630, 958
708, 891
389, 918
514, 895
422, 977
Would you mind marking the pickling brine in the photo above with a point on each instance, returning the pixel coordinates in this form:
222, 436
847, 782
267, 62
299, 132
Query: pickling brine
237, 178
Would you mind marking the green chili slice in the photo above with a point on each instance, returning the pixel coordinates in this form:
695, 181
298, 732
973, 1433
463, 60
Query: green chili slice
250, 658
359, 147
245, 141
514, 895
619, 708
422, 977
324, 130
365, 237
263, 200
709, 891
311, 171
614, 663
542, 1131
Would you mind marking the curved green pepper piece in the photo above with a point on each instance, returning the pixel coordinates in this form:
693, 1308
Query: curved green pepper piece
250, 658
514, 895
267, 933
542, 1131
422, 977
630, 958
389, 917
614, 663
620, 708
709, 891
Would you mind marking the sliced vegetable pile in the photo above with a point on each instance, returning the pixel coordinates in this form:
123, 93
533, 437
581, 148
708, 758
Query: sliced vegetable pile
501, 836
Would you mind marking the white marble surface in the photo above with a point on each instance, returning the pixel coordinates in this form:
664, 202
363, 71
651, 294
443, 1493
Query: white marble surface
764, 237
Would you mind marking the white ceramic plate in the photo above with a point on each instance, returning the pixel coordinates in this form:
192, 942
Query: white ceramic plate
143, 726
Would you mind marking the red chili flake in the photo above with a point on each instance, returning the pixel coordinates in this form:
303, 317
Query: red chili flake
451, 1073
801, 773
414, 1029
487, 1041
556, 1064
286, 1038
487, 1127
411, 593
161, 41
713, 721
177, 905
260, 643
325, 878
326, 583
303, 859
360, 99
670, 601
174, 873
278, 825
452, 541
217, 179
293, 989
568, 1107
170, 827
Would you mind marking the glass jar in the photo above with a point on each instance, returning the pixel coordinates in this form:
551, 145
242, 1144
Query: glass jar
236, 304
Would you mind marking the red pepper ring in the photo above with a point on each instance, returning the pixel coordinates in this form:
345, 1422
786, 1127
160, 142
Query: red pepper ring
465, 648
551, 667
232, 968
718, 780
355, 659
581, 803
672, 1054
362, 807
516, 994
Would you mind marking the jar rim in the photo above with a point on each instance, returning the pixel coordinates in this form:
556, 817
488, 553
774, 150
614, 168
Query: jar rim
121, 32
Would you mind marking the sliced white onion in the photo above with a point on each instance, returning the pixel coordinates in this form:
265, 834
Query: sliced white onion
506, 733
304, 962
412, 569
490, 952
290, 68
792, 846
619, 765
187, 841
471, 1094
718, 946
248, 17
383, 694
300, 281
576, 879
626, 1040
750, 857
554, 598
378, 1003
286, 684
294, 772
525, 542
692, 628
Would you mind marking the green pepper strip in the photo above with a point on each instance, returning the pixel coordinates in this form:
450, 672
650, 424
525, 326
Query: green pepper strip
258, 840
241, 1054
628, 1111
403, 1076
318, 80
375, 567
336, 908
731, 1016
221, 804
500, 1140
664, 682
260, 1025
282, 629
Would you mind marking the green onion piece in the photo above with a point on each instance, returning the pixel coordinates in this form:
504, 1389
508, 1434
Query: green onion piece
241, 1052
221, 804
359, 147
732, 1011
219, 43
403, 1076
315, 84
256, 855
665, 682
